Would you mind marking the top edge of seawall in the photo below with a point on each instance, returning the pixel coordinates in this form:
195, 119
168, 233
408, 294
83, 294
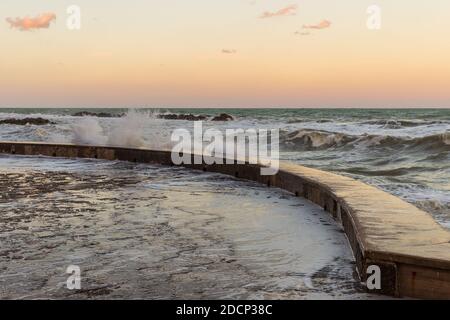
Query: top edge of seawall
66, 144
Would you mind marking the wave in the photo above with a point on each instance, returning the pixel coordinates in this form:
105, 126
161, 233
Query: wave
436, 207
307, 139
394, 172
292, 121
382, 123
314, 139
127, 132
399, 124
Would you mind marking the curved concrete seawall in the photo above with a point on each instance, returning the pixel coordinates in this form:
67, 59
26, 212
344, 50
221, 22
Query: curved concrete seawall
410, 248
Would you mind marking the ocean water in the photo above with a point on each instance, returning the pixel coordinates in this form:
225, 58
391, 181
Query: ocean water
405, 152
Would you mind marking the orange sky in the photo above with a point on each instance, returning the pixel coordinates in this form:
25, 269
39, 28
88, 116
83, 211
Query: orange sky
234, 53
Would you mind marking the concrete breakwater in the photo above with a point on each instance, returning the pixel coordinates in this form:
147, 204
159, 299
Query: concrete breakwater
410, 248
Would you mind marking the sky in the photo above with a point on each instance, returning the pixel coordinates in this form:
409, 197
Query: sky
228, 53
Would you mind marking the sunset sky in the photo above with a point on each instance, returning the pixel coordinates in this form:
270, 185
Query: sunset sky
228, 53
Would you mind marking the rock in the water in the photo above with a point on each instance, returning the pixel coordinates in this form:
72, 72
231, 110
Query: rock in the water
192, 117
223, 117
189, 117
95, 114
26, 121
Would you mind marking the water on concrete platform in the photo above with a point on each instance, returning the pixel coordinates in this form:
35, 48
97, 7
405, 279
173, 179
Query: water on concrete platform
152, 232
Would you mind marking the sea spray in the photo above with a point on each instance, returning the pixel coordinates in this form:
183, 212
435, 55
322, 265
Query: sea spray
127, 131
88, 131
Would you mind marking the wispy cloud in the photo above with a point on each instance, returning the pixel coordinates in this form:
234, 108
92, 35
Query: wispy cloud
324, 24
302, 33
26, 24
229, 51
290, 10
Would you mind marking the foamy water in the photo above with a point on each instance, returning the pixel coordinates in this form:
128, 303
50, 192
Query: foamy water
142, 231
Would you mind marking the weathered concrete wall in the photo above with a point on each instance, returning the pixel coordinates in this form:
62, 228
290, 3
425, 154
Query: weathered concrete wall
411, 249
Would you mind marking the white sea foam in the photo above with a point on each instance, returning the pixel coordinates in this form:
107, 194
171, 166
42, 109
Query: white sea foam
130, 130
127, 131
88, 131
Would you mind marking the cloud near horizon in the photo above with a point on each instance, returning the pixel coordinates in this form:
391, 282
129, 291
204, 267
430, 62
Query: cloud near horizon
229, 51
42, 21
324, 24
290, 10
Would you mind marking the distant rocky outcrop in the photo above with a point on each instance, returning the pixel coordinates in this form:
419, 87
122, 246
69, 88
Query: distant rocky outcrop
189, 117
26, 121
223, 117
99, 114
165, 116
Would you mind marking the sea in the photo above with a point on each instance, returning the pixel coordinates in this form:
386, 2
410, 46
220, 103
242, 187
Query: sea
405, 152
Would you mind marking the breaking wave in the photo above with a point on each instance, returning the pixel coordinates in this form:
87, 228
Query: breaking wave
399, 124
128, 131
307, 139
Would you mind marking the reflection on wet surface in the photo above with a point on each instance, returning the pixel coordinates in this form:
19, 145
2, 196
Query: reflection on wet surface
140, 231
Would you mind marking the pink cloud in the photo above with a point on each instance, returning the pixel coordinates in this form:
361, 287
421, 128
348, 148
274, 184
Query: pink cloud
26, 24
287, 11
321, 25
229, 51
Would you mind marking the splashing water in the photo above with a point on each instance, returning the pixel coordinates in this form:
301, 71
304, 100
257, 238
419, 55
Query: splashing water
130, 131
88, 131
127, 131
